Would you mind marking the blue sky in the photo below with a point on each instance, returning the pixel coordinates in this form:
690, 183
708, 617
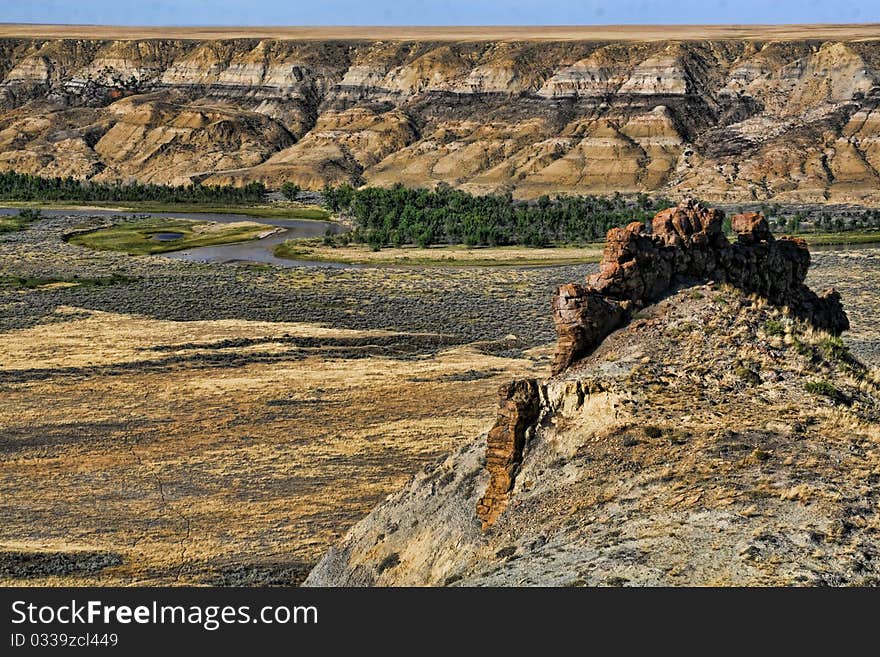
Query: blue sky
436, 12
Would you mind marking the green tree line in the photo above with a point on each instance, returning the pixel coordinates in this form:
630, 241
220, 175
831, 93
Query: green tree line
27, 187
399, 215
819, 219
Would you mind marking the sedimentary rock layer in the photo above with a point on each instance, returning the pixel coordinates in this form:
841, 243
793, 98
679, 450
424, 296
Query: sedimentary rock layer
731, 120
517, 411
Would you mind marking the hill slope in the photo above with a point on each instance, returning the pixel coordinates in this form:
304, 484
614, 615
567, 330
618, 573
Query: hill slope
710, 464
716, 438
733, 118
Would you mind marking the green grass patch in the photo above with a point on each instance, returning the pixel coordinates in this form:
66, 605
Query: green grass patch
836, 351
441, 256
20, 221
774, 327
35, 282
137, 237
801, 347
842, 238
269, 211
824, 389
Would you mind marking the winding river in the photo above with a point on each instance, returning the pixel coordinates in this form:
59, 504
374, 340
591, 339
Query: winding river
259, 251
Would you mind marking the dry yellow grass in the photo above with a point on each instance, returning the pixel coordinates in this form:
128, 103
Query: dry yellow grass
440, 255
209, 474
106, 338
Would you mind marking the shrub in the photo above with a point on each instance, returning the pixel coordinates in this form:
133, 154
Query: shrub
388, 562
824, 389
9, 224
447, 215
748, 376
290, 190
774, 327
652, 431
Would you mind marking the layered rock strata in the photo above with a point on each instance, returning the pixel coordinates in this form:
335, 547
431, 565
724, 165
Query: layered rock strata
731, 120
517, 413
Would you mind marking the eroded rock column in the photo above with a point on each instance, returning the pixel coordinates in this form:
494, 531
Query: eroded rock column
518, 409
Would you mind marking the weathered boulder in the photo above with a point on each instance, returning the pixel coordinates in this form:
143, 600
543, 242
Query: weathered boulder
634, 265
751, 227
688, 225
583, 317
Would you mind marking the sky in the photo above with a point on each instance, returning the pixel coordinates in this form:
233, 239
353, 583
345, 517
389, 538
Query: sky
436, 12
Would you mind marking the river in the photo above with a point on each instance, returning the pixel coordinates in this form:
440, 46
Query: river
259, 251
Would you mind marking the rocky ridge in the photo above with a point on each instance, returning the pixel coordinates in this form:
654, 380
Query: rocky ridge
715, 436
729, 120
687, 243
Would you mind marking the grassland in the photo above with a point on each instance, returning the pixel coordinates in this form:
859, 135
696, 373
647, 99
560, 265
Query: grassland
439, 256
843, 238
315, 250
138, 237
36, 282
13, 223
268, 211
179, 423
219, 454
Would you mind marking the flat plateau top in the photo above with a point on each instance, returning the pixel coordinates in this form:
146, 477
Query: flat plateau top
456, 33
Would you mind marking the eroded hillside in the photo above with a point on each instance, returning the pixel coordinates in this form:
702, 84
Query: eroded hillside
726, 119
716, 432
696, 447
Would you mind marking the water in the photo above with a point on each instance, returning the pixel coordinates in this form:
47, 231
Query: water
259, 251
166, 237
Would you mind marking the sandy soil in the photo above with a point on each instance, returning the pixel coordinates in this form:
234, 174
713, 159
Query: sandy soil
457, 33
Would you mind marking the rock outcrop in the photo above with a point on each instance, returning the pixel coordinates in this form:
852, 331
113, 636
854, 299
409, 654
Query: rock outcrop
518, 411
686, 244
724, 435
717, 439
724, 120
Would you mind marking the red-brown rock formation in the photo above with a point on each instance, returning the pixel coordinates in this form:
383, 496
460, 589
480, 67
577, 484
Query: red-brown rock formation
582, 317
686, 243
751, 227
518, 410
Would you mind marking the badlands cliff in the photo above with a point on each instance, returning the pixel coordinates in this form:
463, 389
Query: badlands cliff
713, 436
729, 119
